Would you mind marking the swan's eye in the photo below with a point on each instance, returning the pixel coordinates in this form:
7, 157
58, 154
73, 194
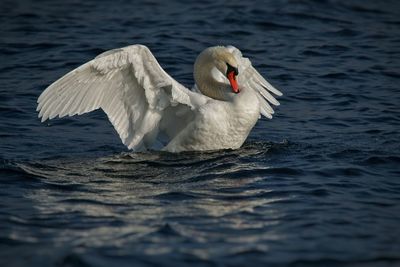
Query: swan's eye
230, 69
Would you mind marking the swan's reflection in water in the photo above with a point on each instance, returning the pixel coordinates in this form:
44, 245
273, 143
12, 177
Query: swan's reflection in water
155, 202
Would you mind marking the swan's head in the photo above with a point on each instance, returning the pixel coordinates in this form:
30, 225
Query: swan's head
225, 67
214, 67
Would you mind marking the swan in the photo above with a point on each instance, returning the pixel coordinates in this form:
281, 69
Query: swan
151, 110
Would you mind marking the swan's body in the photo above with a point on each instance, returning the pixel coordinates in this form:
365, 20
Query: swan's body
150, 110
219, 124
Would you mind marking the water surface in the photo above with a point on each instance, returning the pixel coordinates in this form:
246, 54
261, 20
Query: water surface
316, 186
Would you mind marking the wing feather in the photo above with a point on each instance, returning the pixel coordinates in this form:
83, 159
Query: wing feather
251, 78
128, 84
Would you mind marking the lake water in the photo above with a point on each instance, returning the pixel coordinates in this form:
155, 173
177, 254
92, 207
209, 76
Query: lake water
318, 185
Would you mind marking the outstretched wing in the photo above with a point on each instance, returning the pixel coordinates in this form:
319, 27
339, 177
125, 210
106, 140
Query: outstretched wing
130, 86
251, 78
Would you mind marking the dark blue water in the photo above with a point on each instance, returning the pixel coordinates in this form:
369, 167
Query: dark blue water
319, 185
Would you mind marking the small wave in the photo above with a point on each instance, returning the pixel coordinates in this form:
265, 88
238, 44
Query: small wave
381, 203
347, 171
331, 262
72, 259
262, 172
363, 9
391, 74
275, 26
173, 196
83, 201
15, 242
335, 75
331, 48
313, 53
166, 230
380, 160
248, 252
319, 192
345, 33
28, 15
318, 17
15, 171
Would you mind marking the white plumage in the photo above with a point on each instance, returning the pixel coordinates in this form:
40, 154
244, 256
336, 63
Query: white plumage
150, 110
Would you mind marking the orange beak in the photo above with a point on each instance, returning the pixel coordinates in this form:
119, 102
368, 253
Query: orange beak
232, 79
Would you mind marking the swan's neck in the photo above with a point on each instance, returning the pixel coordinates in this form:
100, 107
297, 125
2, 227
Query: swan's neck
208, 84
215, 89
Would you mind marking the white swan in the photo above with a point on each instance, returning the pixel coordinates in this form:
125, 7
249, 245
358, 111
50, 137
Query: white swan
150, 110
